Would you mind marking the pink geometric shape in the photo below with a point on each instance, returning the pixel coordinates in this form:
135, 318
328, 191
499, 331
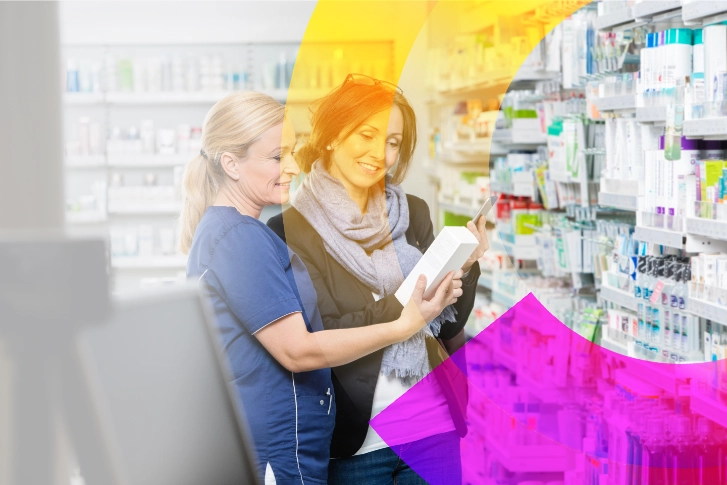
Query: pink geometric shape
545, 421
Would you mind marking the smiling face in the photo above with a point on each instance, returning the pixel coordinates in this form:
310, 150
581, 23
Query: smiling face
269, 167
363, 158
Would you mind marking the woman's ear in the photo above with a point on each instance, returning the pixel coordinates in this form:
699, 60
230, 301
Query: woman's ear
230, 165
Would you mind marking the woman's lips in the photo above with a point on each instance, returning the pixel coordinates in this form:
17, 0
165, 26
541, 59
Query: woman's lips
368, 168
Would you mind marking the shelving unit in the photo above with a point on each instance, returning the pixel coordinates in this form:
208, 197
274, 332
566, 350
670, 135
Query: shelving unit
522, 189
148, 161
126, 98
625, 102
664, 237
86, 217
619, 201
704, 12
85, 162
706, 127
458, 209
523, 459
655, 11
514, 137
619, 297
707, 310
709, 408
708, 228
651, 114
485, 280
614, 346
620, 19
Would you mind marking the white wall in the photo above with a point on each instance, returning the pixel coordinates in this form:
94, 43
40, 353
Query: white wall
175, 22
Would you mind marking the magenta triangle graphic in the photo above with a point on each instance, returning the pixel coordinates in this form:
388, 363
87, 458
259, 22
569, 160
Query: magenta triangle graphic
538, 402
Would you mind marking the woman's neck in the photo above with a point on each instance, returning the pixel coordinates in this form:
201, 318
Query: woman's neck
227, 196
357, 194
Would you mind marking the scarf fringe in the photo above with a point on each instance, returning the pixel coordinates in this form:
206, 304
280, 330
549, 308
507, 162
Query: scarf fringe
399, 357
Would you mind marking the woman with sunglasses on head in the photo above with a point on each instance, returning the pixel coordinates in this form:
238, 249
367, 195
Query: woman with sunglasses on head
360, 235
266, 305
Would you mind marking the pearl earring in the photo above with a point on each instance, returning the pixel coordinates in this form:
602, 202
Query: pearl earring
328, 147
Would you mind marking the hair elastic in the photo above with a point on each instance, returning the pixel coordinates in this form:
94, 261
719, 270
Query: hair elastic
201, 152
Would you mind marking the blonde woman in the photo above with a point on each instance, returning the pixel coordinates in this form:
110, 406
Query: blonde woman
263, 297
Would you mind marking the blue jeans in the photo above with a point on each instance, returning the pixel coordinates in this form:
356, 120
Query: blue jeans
385, 467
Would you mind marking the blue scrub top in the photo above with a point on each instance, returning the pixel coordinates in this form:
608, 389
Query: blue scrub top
252, 280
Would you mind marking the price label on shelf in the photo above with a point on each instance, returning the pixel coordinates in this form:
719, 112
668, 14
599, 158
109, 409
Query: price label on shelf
656, 295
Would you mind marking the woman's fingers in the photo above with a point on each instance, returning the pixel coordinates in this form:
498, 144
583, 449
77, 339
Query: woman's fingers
473, 229
445, 289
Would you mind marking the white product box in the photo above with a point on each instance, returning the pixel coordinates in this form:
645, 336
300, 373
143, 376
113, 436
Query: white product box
447, 253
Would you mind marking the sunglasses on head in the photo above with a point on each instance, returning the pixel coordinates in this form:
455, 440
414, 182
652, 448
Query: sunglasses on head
364, 80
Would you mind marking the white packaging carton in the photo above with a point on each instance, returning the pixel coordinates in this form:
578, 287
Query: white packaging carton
447, 253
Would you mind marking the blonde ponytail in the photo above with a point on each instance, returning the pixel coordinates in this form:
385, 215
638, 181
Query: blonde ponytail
231, 125
199, 189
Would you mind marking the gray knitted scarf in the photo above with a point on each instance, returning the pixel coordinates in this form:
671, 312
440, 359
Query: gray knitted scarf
351, 237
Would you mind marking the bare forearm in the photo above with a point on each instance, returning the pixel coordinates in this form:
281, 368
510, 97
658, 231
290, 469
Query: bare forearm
332, 348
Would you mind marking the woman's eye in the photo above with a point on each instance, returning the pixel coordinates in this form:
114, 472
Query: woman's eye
277, 157
367, 137
394, 145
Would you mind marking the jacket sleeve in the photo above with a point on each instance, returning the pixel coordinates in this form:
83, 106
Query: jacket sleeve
422, 222
316, 261
384, 310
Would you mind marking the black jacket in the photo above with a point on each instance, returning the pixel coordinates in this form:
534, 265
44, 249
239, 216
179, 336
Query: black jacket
345, 302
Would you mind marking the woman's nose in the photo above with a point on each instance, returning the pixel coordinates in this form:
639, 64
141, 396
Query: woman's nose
291, 166
379, 151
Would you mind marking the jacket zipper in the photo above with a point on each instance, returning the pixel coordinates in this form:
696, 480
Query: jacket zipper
330, 399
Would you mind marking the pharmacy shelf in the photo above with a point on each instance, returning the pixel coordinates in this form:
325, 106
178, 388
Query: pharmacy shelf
624, 102
654, 9
651, 114
520, 251
618, 201
485, 280
147, 161
709, 408
86, 217
661, 376
478, 147
460, 210
708, 228
534, 76
85, 161
156, 262
663, 237
614, 19
619, 297
470, 152
707, 310
704, 12
516, 137
149, 209
706, 127
520, 189
614, 346
505, 359
554, 458
504, 299
488, 81
83, 99
165, 97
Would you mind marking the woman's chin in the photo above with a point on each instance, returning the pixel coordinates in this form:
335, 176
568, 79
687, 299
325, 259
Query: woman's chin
280, 195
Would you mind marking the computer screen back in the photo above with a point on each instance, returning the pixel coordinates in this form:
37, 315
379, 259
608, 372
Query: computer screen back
166, 408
